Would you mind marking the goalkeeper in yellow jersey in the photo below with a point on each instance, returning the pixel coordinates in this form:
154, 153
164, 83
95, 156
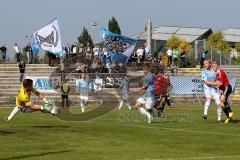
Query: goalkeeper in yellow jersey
23, 103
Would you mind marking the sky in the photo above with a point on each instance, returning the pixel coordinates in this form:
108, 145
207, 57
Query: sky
19, 18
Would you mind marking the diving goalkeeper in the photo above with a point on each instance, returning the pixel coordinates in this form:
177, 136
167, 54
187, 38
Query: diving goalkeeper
23, 103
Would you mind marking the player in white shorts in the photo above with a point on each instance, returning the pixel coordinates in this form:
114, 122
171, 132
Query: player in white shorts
148, 97
83, 85
210, 92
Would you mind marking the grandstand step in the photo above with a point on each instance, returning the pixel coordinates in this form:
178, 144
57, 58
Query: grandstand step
17, 71
29, 69
28, 74
30, 65
10, 86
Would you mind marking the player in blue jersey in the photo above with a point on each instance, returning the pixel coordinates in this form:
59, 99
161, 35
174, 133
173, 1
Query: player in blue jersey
125, 90
84, 85
208, 76
148, 97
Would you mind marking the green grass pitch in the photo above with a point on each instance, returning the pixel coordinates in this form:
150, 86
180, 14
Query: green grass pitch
181, 135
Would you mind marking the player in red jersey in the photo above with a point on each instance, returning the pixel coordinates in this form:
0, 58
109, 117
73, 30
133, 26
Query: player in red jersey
225, 89
162, 87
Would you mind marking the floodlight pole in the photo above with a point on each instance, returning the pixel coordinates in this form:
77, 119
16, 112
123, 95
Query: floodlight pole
149, 37
211, 52
94, 25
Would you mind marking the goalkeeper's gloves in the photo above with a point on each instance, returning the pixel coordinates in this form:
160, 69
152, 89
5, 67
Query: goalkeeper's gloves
47, 101
45, 107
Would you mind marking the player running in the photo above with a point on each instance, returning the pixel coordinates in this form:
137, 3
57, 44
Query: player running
23, 103
84, 85
225, 90
161, 91
125, 89
209, 76
148, 97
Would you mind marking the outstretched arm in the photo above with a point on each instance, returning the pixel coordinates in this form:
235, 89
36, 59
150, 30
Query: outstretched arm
39, 95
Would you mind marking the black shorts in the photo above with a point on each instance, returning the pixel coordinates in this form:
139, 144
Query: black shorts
227, 92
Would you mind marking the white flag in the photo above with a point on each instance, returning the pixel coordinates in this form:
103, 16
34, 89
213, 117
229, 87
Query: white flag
48, 38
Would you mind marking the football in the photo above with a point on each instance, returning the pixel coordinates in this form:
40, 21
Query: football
55, 110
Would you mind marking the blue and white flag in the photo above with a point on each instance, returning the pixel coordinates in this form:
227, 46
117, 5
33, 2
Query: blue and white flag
48, 38
120, 48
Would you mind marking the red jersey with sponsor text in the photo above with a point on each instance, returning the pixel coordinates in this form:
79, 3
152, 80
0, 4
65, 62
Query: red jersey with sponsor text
161, 84
222, 77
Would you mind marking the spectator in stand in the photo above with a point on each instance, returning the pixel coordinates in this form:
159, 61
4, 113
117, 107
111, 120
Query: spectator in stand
29, 52
175, 56
22, 67
112, 67
77, 68
161, 66
16, 50
100, 65
169, 54
67, 51
95, 51
52, 59
182, 56
94, 65
3, 51
108, 65
74, 50
140, 53
80, 51
134, 61
88, 52
202, 57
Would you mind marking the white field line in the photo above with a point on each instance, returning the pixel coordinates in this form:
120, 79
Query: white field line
172, 129
195, 158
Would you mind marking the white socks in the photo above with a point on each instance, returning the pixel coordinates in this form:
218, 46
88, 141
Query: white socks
121, 104
219, 110
13, 113
207, 103
144, 112
219, 113
82, 106
129, 106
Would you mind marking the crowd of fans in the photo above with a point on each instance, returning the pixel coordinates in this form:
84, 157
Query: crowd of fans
86, 58
20, 53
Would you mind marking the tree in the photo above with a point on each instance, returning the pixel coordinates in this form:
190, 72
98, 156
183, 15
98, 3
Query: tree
184, 45
113, 26
180, 43
216, 40
173, 42
85, 38
237, 47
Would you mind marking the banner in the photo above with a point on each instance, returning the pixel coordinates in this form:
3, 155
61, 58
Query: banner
192, 84
181, 85
48, 38
46, 84
120, 48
